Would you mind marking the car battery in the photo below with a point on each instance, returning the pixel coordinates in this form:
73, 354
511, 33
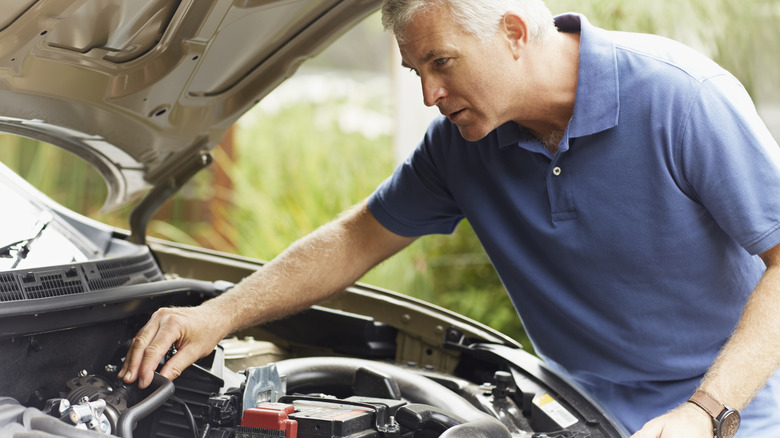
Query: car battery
310, 417
268, 420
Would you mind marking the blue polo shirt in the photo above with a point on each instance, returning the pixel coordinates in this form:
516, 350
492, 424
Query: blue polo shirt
628, 254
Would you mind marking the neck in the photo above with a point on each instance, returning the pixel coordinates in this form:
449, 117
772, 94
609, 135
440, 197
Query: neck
555, 88
551, 140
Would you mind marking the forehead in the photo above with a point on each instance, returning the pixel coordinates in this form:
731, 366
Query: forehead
427, 16
431, 31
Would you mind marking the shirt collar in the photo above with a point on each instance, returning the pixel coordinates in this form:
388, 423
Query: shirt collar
596, 104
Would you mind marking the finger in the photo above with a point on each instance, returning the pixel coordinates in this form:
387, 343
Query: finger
166, 334
179, 361
129, 371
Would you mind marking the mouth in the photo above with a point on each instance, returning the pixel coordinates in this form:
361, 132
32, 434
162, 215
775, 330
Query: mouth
453, 116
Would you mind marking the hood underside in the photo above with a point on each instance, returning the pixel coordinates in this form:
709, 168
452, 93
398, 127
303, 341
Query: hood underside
144, 89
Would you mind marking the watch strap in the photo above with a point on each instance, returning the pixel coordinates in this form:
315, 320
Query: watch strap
708, 403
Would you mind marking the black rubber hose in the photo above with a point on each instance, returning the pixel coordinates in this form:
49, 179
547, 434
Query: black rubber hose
146, 406
446, 409
477, 429
432, 421
415, 388
418, 416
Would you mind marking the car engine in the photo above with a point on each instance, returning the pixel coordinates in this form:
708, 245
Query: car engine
326, 372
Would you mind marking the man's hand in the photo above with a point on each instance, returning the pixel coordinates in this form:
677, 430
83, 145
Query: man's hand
193, 330
315, 268
686, 421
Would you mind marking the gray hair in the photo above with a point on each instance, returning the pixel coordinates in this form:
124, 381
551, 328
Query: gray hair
479, 18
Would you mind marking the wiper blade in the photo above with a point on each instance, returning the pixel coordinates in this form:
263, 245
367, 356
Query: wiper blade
21, 248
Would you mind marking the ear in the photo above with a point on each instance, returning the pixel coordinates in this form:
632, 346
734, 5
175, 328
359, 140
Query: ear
514, 31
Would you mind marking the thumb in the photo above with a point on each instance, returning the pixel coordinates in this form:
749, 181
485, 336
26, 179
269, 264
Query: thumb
179, 362
649, 430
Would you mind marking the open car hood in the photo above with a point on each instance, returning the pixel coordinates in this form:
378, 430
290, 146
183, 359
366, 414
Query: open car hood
144, 89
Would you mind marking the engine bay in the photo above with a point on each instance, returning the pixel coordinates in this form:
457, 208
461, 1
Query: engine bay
399, 368
330, 396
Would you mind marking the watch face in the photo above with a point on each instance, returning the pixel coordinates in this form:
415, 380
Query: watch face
729, 424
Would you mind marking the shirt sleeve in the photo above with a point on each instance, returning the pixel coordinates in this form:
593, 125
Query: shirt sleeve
415, 200
732, 163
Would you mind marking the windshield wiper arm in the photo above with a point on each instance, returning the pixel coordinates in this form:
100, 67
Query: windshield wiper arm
22, 247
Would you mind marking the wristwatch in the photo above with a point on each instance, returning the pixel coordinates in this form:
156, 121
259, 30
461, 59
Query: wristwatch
725, 421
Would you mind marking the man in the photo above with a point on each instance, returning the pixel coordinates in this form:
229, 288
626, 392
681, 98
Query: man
623, 186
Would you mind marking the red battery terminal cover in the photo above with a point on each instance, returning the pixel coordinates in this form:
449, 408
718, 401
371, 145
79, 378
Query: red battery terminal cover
271, 416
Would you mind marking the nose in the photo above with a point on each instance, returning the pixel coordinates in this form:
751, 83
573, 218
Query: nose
432, 89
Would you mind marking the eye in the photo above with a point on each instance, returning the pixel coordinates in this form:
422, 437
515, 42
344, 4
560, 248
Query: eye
439, 62
414, 70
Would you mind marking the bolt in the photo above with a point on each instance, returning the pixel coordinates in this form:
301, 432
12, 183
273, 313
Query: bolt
502, 380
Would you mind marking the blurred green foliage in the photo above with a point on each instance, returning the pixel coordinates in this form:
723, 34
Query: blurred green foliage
296, 166
61, 175
740, 35
302, 178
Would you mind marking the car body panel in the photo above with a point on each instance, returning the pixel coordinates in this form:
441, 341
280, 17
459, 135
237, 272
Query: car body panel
139, 88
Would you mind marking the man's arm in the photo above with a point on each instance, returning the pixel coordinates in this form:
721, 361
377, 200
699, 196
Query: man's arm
743, 366
310, 270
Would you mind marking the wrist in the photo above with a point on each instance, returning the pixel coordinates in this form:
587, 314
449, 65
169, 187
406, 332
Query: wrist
217, 317
724, 420
697, 416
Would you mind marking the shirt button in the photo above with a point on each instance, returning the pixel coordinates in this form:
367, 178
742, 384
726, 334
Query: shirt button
556, 171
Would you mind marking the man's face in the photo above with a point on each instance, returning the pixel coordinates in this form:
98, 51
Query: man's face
468, 80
